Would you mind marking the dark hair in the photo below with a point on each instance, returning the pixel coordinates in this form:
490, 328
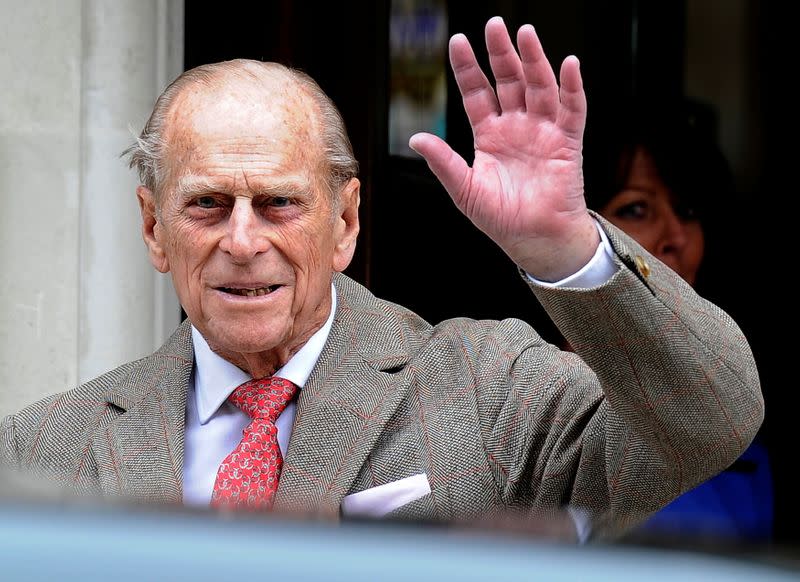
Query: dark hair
680, 137
681, 140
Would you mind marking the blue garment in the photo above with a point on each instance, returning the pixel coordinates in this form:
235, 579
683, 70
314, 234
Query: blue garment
736, 505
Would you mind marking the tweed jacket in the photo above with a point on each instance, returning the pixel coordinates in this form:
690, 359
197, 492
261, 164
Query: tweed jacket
665, 394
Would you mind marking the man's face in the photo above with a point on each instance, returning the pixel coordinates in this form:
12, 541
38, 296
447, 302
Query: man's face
246, 226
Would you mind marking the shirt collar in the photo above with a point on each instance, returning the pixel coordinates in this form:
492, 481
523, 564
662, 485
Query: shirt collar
215, 378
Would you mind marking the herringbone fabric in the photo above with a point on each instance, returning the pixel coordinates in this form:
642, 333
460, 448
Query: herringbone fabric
248, 476
665, 394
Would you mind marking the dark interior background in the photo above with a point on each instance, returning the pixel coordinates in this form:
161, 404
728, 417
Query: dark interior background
418, 250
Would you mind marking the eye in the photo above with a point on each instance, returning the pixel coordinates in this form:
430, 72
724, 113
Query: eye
632, 211
206, 202
279, 201
686, 212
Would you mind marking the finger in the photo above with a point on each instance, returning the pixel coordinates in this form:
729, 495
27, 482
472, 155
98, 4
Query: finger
541, 92
450, 168
479, 99
506, 66
572, 113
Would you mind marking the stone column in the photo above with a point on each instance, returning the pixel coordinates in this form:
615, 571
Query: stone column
78, 294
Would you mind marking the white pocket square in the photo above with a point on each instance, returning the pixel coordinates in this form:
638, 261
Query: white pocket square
378, 501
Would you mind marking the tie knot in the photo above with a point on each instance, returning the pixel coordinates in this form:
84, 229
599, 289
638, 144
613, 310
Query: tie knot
264, 398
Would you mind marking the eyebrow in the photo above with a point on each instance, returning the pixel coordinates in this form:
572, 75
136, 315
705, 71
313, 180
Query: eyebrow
638, 188
191, 184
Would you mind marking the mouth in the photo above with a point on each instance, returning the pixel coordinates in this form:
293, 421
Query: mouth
249, 291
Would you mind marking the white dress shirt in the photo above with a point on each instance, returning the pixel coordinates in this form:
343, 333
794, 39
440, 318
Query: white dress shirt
214, 426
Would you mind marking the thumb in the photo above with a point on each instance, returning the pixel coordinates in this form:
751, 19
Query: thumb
448, 167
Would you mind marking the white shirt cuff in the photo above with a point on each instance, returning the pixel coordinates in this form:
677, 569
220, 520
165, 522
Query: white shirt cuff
600, 268
583, 523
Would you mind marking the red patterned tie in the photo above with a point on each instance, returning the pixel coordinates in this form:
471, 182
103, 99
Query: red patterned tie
248, 477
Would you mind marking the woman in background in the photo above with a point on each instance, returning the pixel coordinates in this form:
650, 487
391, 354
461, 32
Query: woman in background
656, 172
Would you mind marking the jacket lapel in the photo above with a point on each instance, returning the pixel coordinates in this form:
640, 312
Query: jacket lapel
354, 390
352, 393
140, 453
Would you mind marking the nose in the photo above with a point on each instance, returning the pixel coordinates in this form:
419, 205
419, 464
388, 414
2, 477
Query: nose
244, 236
673, 236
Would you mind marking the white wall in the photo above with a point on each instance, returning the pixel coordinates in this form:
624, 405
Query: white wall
78, 294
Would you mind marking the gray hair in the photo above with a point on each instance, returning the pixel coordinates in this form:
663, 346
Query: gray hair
146, 154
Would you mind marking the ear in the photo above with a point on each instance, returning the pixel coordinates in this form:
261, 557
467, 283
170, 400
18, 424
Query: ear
346, 227
152, 232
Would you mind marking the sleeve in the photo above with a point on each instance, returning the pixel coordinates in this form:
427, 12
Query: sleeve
9, 453
664, 395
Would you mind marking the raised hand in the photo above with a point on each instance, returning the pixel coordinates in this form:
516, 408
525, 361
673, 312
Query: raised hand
525, 186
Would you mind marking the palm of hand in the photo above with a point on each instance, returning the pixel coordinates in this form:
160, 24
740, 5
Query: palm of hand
525, 186
522, 169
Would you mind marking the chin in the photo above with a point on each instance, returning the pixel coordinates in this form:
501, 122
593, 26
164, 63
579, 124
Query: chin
246, 341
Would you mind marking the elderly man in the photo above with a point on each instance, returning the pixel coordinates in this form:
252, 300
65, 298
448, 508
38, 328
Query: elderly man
292, 387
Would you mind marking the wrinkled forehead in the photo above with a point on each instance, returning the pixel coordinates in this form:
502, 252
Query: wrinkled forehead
265, 114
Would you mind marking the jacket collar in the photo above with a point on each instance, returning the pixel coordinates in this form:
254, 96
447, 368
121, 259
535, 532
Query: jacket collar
354, 390
140, 453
